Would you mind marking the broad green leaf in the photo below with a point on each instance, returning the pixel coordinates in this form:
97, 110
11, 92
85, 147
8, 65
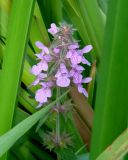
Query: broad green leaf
9, 138
12, 62
117, 149
111, 109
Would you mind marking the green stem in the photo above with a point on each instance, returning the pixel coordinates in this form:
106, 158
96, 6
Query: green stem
58, 119
58, 122
58, 128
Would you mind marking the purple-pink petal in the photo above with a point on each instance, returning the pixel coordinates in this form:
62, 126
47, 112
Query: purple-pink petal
72, 72
63, 68
42, 46
36, 69
44, 65
73, 46
69, 54
63, 81
58, 74
75, 59
87, 49
82, 90
40, 55
79, 67
85, 61
48, 92
36, 82
56, 50
86, 80
39, 44
40, 96
77, 78
48, 58
54, 29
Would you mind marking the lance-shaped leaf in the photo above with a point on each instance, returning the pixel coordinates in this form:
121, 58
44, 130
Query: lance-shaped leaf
9, 138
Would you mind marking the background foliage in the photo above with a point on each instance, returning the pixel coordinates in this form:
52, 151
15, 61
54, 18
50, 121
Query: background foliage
103, 24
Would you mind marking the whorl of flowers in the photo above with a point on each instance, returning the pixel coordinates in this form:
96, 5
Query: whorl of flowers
60, 64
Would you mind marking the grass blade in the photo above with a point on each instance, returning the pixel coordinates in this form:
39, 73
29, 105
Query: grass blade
9, 138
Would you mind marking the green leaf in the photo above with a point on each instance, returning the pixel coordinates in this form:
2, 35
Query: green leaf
111, 109
9, 138
117, 149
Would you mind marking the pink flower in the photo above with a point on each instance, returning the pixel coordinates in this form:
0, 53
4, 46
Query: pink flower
62, 63
62, 76
54, 29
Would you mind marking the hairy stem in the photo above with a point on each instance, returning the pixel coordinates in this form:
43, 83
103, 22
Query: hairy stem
58, 120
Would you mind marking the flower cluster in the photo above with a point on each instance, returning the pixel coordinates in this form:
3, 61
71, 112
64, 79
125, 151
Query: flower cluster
60, 64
